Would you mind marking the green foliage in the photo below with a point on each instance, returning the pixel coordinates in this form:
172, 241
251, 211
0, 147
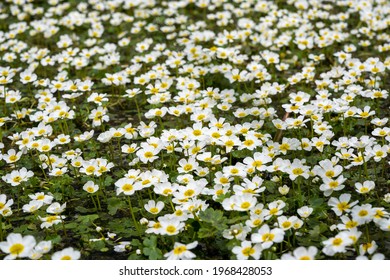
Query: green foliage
150, 248
212, 222
114, 204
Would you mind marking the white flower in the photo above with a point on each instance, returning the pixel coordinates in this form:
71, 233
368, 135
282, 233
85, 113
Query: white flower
305, 211
181, 251
17, 246
153, 207
366, 187
266, 237
246, 250
66, 254
337, 244
56, 208
90, 187
16, 177
301, 253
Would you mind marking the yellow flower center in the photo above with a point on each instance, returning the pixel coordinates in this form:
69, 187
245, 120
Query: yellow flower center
245, 205
171, 229
297, 171
17, 179
363, 213
337, 242
127, 187
273, 211
268, 237
364, 189
248, 142
248, 251
234, 171
167, 191
215, 135
218, 192
90, 169
187, 167
329, 173
286, 224
351, 224
90, 189
51, 219
157, 225
13, 158
148, 154
179, 250
189, 192
342, 206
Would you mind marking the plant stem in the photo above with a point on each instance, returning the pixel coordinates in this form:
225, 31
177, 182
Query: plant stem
132, 215
94, 203
367, 234
63, 226
1, 228
138, 111
365, 164
98, 201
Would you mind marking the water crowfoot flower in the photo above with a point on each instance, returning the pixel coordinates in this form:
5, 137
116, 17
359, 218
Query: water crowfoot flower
337, 244
266, 237
341, 204
153, 207
90, 187
301, 253
5, 205
366, 187
247, 250
17, 246
223, 118
170, 225
297, 168
16, 177
66, 254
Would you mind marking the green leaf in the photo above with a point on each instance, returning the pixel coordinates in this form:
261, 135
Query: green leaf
206, 232
153, 253
134, 256
316, 202
97, 245
210, 215
214, 217
71, 225
212, 222
136, 243
57, 196
87, 219
32, 227
114, 204
82, 209
315, 232
108, 181
151, 241
241, 153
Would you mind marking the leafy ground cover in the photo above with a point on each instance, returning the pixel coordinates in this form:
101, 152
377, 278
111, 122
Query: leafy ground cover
207, 129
